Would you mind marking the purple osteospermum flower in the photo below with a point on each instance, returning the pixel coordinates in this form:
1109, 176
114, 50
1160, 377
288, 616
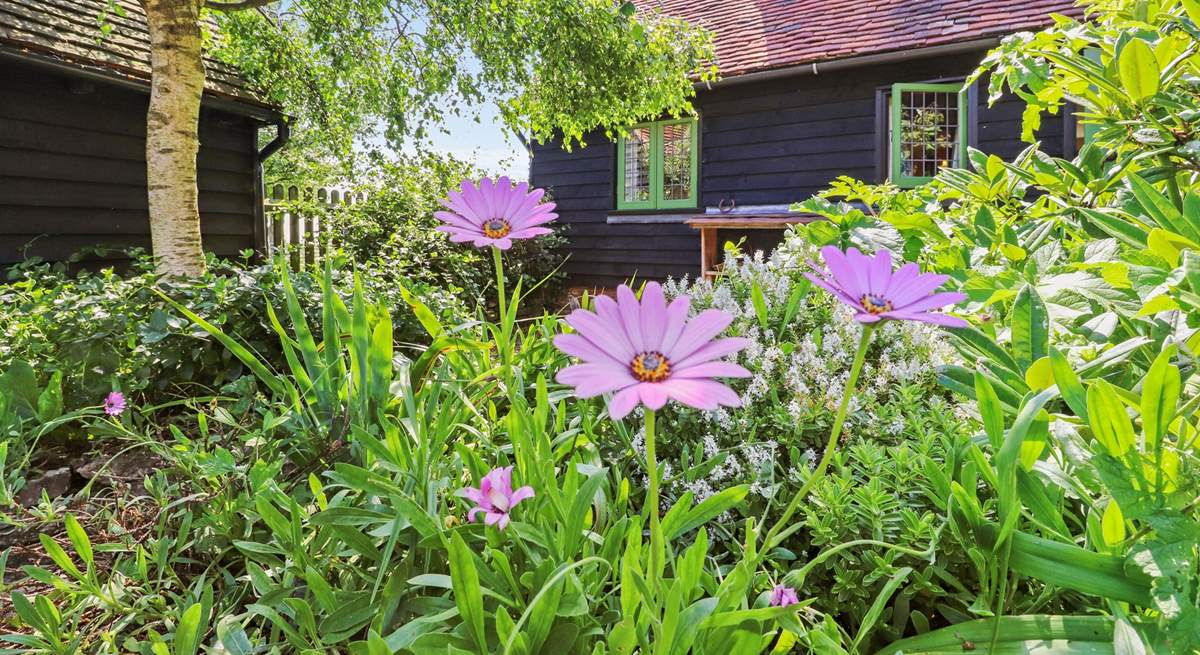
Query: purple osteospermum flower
650, 352
876, 293
114, 403
782, 596
495, 213
495, 497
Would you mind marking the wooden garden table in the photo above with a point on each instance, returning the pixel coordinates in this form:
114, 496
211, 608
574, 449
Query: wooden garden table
708, 224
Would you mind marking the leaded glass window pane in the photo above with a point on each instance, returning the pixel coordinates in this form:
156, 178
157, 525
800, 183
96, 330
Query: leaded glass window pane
637, 165
929, 138
677, 161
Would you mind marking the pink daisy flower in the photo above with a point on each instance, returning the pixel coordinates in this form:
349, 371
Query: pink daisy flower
876, 293
114, 403
495, 213
648, 352
495, 497
782, 596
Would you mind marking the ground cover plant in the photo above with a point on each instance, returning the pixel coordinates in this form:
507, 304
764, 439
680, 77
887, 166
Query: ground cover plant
957, 418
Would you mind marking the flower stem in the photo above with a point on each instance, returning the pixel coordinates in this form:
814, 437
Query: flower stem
838, 421
504, 345
496, 258
656, 538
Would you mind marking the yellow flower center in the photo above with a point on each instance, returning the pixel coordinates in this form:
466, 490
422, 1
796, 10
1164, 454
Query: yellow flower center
496, 228
650, 367
875, 304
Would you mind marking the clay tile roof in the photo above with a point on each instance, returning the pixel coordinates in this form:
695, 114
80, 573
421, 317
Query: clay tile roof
759, 35
69, 31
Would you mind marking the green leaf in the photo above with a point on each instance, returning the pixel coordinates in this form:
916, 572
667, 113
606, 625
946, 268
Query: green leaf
1068, 383
79, 540
1108, 419
1160, 395
708, 509
1030, 327
760, 305
1138, 70
1112, 524
468, 595
989, 409
188, 632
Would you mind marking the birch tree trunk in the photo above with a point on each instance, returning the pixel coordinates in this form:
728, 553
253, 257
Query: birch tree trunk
172, 135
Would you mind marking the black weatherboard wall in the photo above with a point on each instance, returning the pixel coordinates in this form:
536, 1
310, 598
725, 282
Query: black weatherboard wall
769, 142
73, 168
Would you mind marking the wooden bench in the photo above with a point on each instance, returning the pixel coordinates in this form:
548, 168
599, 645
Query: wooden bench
708, 224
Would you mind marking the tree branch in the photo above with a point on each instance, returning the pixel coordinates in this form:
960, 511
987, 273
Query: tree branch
236, 5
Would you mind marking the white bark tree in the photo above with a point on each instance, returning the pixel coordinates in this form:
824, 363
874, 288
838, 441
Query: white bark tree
172, 134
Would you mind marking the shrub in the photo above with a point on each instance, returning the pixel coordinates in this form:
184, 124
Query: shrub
393, 228
104, 331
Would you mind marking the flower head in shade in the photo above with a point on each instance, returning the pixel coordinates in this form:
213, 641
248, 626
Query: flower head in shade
114, 403
782, 596
493, 213
877, 293
650, 352
495, 497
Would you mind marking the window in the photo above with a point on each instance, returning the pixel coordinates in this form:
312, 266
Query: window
927, 131
656, 166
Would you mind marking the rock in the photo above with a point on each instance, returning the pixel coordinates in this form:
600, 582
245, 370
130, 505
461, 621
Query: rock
55, 482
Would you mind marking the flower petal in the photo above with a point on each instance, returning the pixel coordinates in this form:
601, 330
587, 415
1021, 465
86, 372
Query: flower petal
472, 494
530, 232
837, 292
929, 317
652, 394
653, 319
631, 318
712, 370
919, 287
677, 314
879, 272
932, 302
860, 267
623, 402
699, 331
712, 350
591, 380
901, 278
843, 274
603, 333
576, 345
701, 394
522, 494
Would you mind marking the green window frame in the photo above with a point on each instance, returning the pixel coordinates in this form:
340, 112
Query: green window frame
655, 164
906, 98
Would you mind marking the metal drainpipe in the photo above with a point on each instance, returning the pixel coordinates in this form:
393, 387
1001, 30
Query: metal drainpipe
282, 134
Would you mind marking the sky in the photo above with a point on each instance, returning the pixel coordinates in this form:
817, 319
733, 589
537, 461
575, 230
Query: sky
484, 143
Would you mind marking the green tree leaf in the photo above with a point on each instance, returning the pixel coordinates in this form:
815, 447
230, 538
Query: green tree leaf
1138, 69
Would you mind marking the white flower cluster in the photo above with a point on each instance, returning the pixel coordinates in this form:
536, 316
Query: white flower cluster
800, 366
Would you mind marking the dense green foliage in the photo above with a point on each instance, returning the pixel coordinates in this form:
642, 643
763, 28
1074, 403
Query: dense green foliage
350, 68
393, 228
1025, 484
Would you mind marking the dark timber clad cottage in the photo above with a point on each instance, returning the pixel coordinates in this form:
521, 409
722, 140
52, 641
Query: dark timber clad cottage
72, 135
810, 91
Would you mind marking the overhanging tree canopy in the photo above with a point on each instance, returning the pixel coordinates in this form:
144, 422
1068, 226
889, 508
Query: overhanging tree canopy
352, 67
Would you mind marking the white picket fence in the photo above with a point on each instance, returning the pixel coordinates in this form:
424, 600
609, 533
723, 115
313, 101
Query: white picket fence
288, 228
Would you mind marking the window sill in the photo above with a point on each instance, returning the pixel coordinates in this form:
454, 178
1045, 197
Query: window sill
652, 217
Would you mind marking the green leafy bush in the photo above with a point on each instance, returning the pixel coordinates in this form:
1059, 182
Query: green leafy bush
103, 330
392, 227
